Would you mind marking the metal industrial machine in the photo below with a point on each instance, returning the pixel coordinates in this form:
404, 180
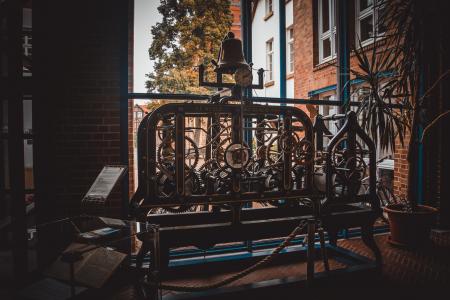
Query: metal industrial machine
226, 170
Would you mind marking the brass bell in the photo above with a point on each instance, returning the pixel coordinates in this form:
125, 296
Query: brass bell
231, 55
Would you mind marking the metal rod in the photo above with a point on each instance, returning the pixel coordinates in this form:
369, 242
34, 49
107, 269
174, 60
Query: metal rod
246, 35
15, 140
323, 249
126, 7
343, 54
310, 251
282, 46
183, 97
187, 97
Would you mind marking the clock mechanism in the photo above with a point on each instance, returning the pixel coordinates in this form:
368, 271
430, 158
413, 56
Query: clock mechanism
243, 77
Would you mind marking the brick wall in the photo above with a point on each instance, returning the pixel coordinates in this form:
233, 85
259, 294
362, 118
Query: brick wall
310, 76
401, 168
80, 93
235, 7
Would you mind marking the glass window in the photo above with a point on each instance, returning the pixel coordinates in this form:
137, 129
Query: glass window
269, 60
366, 28
28, 164
327, 47
364, 4
327, 30
326, 110
269, 7
27, 117
290, 49
381, 19
370, 20
27, 45
325, 15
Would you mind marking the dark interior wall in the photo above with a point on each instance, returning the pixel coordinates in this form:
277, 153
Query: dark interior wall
77, 92
436, 80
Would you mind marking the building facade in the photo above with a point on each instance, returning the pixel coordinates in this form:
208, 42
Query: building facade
266, 46
316, 65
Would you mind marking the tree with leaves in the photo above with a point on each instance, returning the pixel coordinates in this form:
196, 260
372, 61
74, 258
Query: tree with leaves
189, 34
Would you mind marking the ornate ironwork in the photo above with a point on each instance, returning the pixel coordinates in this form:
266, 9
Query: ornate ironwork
178, 170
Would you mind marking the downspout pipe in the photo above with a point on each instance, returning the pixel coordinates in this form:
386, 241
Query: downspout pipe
343, 55
282, 47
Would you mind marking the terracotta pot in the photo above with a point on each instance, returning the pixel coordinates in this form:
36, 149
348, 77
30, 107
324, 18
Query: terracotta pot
410, 229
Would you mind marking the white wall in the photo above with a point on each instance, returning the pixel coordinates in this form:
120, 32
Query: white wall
262, 31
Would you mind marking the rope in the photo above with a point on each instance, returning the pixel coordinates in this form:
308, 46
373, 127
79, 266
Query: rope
244, 272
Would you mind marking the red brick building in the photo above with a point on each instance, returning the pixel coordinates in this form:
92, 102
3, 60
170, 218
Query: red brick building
315, 56
235, 7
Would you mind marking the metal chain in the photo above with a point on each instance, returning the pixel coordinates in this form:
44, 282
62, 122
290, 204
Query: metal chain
244, 272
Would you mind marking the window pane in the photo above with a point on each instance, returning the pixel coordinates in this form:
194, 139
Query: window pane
270, 67
381, 23
291, 58
325, 16
268, 6
363, 4
28, 162
326, 48
366, 28
334, 43
27, 120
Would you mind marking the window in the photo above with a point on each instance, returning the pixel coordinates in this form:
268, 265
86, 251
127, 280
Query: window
290, 49
269, 60
326, 110
27, 42
269, 7
327, 30
369, 21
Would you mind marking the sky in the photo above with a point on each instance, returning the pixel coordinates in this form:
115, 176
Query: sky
145, 16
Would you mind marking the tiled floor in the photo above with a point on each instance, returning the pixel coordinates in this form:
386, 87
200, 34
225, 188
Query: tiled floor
429, 266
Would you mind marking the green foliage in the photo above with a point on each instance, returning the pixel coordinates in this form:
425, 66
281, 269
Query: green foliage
388, 73
382, 86
189, 34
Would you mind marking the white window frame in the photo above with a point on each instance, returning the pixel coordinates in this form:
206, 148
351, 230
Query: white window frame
290, 49
329, 34
269, 60
326, 110
372, 10
27, 45
269, 7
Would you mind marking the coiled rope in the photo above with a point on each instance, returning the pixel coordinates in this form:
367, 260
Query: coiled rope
244, 272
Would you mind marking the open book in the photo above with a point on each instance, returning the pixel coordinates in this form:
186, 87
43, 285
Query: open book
93, 270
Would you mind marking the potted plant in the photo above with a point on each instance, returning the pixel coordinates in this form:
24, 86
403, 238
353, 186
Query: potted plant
391, 72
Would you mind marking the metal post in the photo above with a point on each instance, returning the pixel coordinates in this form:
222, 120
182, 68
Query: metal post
310, 251
246, 34
420, 156
343, 54
282, 41
246, 37
323, 249
124, 22
15, 137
